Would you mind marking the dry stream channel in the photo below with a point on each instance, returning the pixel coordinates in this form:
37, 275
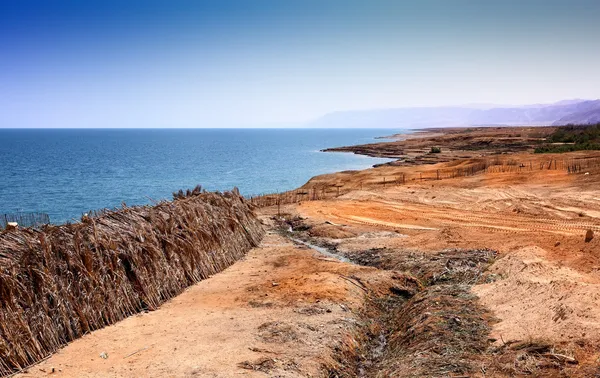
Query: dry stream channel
429, 324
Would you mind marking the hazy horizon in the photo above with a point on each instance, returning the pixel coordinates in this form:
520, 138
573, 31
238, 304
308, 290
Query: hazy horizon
274, 63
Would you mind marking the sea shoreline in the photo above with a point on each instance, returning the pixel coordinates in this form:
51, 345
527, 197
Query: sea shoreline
66, 173
453, 143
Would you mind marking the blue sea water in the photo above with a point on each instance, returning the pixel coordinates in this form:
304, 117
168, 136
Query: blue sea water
66, 172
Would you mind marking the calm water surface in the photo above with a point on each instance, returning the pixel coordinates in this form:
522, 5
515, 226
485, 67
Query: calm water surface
68, 172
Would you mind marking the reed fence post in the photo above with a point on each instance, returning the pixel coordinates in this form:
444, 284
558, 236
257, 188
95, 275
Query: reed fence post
279, 205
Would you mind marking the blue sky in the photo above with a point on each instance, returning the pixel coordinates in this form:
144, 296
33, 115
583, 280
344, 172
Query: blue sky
241, 63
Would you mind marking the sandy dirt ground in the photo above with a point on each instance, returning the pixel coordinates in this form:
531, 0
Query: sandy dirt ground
546, 281
276, 313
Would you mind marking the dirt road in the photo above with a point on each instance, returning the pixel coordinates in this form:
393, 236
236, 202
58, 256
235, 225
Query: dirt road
277, 313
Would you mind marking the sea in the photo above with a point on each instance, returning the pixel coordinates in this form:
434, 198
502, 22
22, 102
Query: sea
67, 172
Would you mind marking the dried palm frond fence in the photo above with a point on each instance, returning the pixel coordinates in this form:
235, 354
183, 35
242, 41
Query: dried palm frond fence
25, 219
61, 282
298, 195
479, 166
572, 165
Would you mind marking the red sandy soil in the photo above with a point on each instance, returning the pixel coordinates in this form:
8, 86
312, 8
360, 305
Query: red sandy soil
547, 284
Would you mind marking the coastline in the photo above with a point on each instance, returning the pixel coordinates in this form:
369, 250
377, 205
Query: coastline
416, 133
139, 167
454, 143
478, 256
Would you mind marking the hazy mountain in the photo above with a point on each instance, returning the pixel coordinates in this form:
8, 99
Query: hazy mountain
529, 115
570, 102
537, 114
587, 112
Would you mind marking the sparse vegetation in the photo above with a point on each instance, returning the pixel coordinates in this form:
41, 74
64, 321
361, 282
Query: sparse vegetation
435, 150
572, 138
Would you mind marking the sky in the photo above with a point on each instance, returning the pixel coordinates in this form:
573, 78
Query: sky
255, 63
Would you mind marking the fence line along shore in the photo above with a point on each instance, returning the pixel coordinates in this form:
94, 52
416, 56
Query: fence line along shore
58, 283
24, 219
318, 192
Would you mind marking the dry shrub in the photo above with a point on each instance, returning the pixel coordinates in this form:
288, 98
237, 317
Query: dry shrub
61, 282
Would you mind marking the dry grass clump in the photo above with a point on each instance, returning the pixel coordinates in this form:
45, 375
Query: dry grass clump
447, 266
455, 266
434, 331
542, 358
61, 282
277, 332
439, 332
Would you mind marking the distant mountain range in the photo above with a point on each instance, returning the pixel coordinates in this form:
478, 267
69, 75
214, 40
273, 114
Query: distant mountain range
559, 113
586, 112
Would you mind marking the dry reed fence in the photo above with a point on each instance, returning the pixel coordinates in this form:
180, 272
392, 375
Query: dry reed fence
484, 166
25, 219
61, 282
476, 167
298, 195
571, 165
